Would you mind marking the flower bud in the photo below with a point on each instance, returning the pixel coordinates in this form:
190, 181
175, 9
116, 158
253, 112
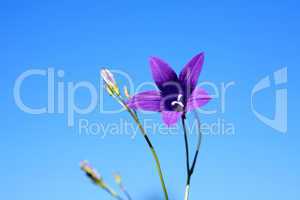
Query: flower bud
110, 81
90, 172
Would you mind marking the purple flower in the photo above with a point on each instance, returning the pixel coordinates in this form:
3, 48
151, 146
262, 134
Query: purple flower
177, 94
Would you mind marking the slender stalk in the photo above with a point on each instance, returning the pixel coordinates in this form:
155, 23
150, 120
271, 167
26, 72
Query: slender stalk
123, 189
187, 192
199, 141
110, 191
154, 154
126, 194
188, 178
190, 171
186, 144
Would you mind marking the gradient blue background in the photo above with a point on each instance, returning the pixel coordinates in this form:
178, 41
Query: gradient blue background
243, 40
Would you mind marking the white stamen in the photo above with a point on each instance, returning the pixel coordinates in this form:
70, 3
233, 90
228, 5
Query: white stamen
178, 102
179, 97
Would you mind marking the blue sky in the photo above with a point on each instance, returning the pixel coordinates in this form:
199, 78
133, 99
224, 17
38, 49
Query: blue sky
244, 41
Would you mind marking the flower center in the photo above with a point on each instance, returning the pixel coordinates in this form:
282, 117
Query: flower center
178, 104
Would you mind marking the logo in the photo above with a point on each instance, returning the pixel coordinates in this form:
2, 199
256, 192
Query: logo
279, 120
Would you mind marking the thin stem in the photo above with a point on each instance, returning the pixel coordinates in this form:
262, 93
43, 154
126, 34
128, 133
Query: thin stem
190, 171
186, 144
188, 178
125, 191
198, 143
154, 154
110, 191
187, 192
160, 173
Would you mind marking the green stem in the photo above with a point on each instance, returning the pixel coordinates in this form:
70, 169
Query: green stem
154, 154
198, 143
160, 173
110, 191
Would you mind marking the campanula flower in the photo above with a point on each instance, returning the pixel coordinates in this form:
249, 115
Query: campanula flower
177, 94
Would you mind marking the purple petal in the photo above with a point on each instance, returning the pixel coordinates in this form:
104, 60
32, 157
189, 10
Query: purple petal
198, 98
170, 117
148, 101
190, 73
161, 72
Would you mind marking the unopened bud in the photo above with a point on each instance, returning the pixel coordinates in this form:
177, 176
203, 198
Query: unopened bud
109, 80
90, 172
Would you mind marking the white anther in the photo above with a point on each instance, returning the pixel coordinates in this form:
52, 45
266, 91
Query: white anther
179, 97
178, 102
